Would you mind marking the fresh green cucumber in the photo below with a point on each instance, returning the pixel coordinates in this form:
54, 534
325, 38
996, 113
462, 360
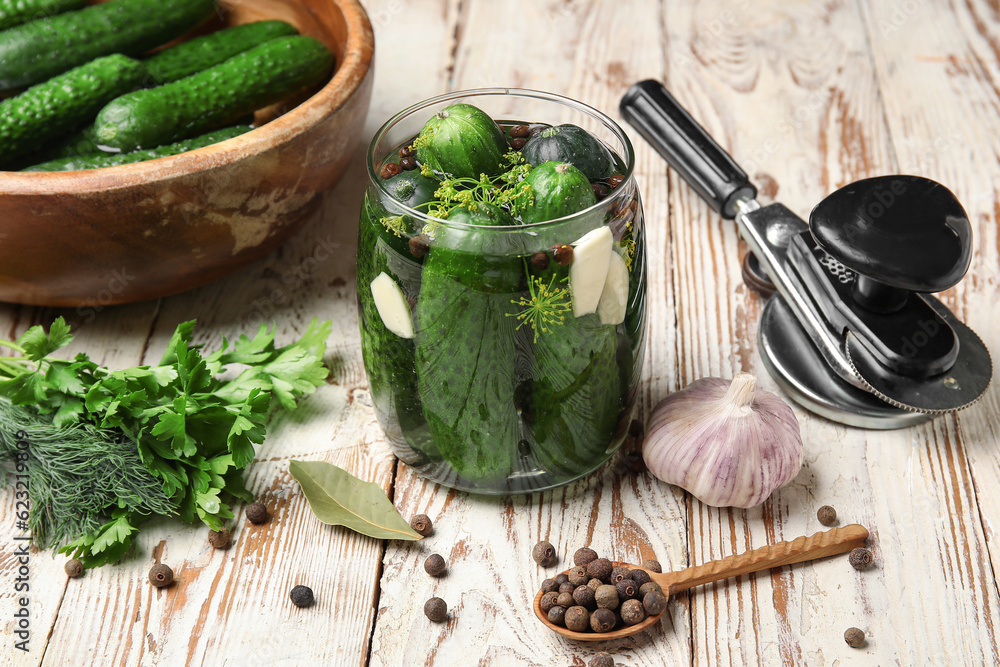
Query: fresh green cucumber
38, 50
576, 395
16, 12
461, 141
214, 97
99, 160
49, 109
559, 189
569, 143
203, 52
465, 355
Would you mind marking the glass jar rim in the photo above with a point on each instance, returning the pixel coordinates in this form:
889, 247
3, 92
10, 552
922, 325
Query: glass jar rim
601, 117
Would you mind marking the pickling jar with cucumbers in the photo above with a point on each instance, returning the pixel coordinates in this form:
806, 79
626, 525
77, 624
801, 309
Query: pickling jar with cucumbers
501, 285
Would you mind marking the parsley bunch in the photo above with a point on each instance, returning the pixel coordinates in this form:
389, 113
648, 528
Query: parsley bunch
192, 432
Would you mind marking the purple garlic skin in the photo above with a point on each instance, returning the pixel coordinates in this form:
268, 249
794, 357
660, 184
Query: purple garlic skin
726, 444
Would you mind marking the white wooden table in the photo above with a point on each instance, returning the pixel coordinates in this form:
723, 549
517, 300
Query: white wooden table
808, 97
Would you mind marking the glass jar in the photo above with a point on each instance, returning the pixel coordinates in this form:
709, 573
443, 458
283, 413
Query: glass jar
489, 366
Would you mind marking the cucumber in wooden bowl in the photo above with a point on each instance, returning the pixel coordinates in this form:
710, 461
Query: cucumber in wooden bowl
214, 97
40, 49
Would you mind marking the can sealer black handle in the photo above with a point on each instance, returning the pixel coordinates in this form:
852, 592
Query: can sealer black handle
686, 147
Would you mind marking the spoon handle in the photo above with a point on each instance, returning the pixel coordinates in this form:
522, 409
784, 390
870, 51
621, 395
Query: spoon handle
820, 545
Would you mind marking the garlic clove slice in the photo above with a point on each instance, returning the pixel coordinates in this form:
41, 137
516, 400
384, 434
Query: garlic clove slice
614, 298
724, 442
591, 257
392, 306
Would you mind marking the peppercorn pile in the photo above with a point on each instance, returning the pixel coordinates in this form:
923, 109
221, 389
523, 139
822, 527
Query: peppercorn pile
597, 595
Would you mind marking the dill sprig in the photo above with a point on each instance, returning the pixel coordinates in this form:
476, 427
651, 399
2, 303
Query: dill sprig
546, 307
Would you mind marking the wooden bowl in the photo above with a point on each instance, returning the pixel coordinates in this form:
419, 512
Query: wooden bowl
151, 229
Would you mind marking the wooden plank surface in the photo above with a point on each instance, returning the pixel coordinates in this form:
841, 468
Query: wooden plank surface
807, 97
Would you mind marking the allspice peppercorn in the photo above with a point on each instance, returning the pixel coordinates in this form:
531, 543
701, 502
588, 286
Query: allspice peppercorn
422, 524
548, 601
584, 556
540, 260
861, 558
855, 637
302, 596
161, 575
436, 610
565, 600
584, 597
652, 565
606, 597
594, 583
220, 539
419, 245
619, 572
602, 620
826, 515
74, 568
566, 587
577, 619
563, 254
435, 565
257, 512
557, 615
626, 589
602, 660
578, 576
633, 612
640, 577
599, 568
549, 585
560, 579
544, 554
648, 587
654, 602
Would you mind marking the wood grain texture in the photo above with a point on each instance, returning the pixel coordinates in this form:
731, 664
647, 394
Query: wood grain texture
807, 97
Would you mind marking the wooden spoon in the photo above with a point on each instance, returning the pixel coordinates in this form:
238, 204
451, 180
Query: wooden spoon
820, 545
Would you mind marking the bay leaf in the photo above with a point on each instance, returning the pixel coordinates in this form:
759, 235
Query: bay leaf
338, 498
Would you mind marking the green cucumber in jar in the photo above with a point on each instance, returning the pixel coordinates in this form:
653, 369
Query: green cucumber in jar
573, 144
51, 108
466, 331
215, 97
558, 189
203, 52
16, 12
40, 49
461, 141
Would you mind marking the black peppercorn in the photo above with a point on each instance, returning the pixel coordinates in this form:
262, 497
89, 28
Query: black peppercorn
648, 587
602, 620
616, 180
640, 577
548, 601
584, 597
436, 610
855, 637
565, 600
652, 565
390, 169
626, 589
557, 615
634, 462
861, 558
540, 260
161, 575
606, 597
602, 660
826, 515
560, 579
578, 575
519, 131
566, 587
544, 554
220, 539
654, 602
518, 143
435, 565
633, 612
74, 568
619, 572
257, 512
599, 568
418, 248
408, 163
302, 596
594, 583
549, 585
563, 254
584, 556
577, 619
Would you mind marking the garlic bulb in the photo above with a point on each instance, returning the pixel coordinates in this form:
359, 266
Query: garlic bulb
725, 445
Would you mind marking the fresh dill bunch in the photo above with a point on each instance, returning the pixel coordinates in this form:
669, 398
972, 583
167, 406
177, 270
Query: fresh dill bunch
80, 477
